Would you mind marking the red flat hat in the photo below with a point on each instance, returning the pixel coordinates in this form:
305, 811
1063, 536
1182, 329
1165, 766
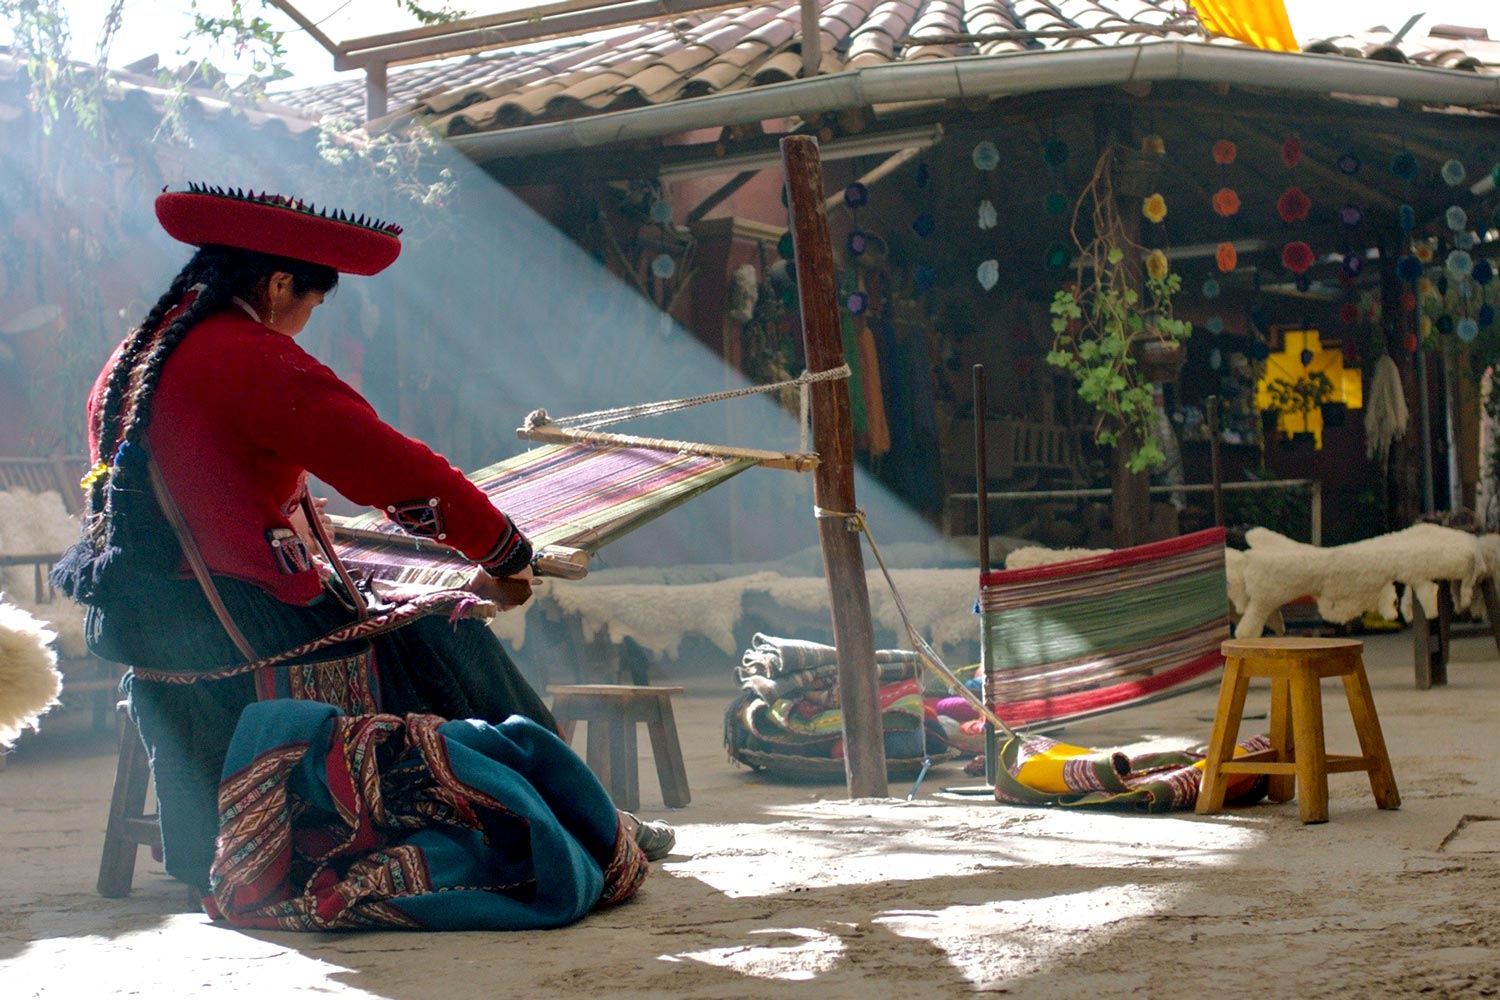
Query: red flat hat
276, 224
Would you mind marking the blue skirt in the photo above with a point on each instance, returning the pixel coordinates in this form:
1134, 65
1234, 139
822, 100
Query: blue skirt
456, 670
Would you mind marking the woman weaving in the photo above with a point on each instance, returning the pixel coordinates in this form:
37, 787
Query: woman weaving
198, 554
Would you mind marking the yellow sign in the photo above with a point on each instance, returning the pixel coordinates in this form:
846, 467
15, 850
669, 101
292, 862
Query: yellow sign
1261, 23
1294, 384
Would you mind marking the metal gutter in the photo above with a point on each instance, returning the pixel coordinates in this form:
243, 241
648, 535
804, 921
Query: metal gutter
1004, 75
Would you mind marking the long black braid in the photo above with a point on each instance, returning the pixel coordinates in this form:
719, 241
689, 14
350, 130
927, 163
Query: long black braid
126, 536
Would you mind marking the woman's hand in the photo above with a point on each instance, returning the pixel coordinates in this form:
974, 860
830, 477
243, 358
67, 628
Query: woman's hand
505, 592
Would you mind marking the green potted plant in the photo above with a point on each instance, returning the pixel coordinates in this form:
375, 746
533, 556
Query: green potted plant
1113, 327
1297, 399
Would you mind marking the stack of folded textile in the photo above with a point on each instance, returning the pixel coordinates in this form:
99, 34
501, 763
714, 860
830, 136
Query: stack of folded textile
787, 719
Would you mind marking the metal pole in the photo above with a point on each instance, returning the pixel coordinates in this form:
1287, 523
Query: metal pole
981, 497
1423, 409
1213, 454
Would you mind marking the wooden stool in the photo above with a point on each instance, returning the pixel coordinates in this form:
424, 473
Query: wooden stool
129, 824
1297, 756
612, 711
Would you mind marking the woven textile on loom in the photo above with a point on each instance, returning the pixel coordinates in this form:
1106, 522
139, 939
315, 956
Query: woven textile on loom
582, 496
1071, 639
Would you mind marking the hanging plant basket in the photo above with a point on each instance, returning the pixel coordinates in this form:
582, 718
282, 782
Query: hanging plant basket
1135, 173
1159, 359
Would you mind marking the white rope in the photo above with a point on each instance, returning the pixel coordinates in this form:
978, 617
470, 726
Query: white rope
928, 656
603, 418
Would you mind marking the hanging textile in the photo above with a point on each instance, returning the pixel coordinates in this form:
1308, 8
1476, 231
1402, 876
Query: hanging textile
869, 363
1261, 23
580, 496
1072, 639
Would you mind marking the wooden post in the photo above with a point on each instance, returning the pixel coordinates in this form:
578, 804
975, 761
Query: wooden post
1213, 455
1130, 506
833, 483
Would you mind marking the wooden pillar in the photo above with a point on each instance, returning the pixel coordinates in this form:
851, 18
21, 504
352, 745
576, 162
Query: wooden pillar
833, 484
376, 92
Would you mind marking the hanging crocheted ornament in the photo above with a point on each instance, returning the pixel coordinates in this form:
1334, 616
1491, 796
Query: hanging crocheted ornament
1215, 356
1226, 256
1348, 163
989, 273
1445, 324
857, 303
1057, 256
856, 195
1156, 265
1483, 272
1259, 351
1291, 151
1055, 153
1486, 315
1453, 173
1293, 205
988, 218
857, 242
663, 266
784, 245
922, 175
1215, 325
1411, 343
1351, 216
1408, 268
1467, 329
1210, 288
1302, 283
661, 211
924, 279
1404, 165
1422, 251
1154, 145
923, 225
1455, 217
1406, 218
986, 157
1297, 257
1056, 204
1225, 152
1226, 202
1459, 263
1154, 207
1464, 240
1348, 314
1408, 302
1353, 264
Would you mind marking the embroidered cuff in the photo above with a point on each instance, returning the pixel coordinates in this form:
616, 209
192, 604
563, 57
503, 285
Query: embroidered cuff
509, 555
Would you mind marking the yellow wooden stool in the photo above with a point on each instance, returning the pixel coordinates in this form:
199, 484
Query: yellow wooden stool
1297, 761
612, 711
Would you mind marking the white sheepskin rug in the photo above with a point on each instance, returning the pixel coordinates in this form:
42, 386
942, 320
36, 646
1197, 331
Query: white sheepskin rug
29, 681
39, 523
659, 616
1348, 580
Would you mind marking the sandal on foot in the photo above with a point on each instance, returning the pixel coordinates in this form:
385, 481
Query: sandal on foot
655, 838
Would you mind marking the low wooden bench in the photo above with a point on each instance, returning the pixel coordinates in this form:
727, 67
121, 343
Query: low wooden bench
612, 712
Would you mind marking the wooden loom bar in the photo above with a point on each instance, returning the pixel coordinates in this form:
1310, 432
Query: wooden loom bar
833, 482
796, 461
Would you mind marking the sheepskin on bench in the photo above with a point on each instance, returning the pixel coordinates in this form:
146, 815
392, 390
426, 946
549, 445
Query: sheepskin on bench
1348, 580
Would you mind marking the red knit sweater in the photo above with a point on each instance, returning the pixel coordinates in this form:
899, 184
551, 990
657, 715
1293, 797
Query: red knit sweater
241, 415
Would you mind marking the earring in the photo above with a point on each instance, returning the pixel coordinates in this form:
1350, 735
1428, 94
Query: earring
270, 316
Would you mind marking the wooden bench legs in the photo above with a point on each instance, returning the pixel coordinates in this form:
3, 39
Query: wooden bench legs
612, 712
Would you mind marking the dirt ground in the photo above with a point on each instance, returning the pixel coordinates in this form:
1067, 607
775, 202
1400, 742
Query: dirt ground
791, 891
